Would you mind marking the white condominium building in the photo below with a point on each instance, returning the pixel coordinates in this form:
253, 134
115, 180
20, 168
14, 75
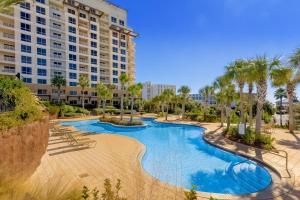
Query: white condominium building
152, 90
41, 39
201, 99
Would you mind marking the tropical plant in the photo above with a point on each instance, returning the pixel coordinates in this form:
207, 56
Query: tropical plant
84, 83
237, 71
250, 77
124, 80
287, 76
191, 195
58, 82
261, 74
103, 94
134, 91
280, 94
184, 94
229, 96
167, 97
4, 4
206, 92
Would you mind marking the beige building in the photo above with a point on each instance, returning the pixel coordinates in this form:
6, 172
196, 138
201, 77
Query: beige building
151, 90
41, 39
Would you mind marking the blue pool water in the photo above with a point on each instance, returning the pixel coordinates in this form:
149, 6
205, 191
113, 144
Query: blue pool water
177, 154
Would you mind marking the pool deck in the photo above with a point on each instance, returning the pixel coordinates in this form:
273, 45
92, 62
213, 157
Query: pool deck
116, 156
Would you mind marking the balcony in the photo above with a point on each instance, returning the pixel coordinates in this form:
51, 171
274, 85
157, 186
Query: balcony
85, 61
84, 35
7, 59
58, 28
7, 48
9, 70
83, 43
7, 25
83, 52
83, 26
7, 36
83, 69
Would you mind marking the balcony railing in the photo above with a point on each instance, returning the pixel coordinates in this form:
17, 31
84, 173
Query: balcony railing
8, 25
8, 35
7, 47
9, 59
6, 70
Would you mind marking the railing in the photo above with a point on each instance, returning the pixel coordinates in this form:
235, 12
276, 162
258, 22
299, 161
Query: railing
7, 35
8, 70
7, 47
8, 25
10, 59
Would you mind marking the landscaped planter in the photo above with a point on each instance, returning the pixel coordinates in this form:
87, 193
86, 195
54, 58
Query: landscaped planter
21, 148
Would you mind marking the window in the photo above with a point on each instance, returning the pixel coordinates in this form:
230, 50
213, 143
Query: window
40, 20
56, 35
93, 61
25, 5
25, 38
72, 48
72, 39
42, 72
42, 81
121, 22
115, 49
25, 27
82, 15
72, 20
57, 54
72, 75
72, 57
55, 15
115, 80
93, 27
41, 92
115, 34
93, 77
57, 64
93, 53
73, 84
27, 80
115, 42
41, 41
40, 10
72, 92
115, 57
94, 69
114, 20
93, 19
72, 66
94, 44
123, 44
26, 70
123, 51
72, 29
26, 59
123, 66
71, 11
115, 65
41, 62
93, 36
40, 30
57, 73
123, 37
25, 16
41, 51
123, 59
25, 48
115, 73
41, 1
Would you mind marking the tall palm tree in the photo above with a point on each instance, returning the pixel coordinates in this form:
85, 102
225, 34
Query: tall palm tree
124, 80
134, 91
250, 77
206, 92
103, 94
237, 71
184, 92
280, 94
261, 74
167, 97
84, 83
286, 76
58, 82
229, 96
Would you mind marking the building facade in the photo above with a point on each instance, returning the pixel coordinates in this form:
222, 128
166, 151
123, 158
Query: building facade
152, 90
41, 39
200, 99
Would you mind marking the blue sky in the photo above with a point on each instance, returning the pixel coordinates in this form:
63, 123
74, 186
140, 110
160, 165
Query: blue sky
189, 42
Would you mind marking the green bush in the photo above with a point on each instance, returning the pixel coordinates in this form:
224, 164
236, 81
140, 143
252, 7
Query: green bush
249, 137
210, 118
232, 131
267, 117
53, 110
191, 195
120, 122
82, 111
265, 141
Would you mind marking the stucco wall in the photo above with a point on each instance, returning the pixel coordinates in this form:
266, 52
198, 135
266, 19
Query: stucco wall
21, 148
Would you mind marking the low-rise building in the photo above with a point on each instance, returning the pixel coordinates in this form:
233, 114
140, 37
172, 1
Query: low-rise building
151, 90
201, 99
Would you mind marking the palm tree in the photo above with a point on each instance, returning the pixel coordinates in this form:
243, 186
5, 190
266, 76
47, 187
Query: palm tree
184, 92
103, 94
237, 71
84, 83
229, 96
250, 77
4, 4
279, 94
58, 82
124, 79
167, 97
261, 74
134, 91
286, 76
206, 92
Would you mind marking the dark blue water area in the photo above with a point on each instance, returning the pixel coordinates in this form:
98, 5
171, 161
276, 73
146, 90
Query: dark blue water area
177, 155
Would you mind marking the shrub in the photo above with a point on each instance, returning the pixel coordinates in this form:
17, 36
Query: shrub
210, 118
265, 141
191, 195
267, 117
249, 137
82, 111
53, 110
232, 131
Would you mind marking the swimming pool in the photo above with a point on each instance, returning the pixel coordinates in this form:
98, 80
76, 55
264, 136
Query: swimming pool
177, 155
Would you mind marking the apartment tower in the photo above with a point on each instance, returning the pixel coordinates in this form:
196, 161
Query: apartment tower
41, 39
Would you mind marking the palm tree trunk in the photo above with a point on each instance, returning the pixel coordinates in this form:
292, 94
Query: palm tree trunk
241, 104
250, 105
82, 98
103, 105
122, 102
183, 107
167, 112
280, 111
228, 116
222, 116
290, 94
131, 114
261, 95
59, 95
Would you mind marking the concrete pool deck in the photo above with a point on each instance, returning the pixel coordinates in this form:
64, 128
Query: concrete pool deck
118, 156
